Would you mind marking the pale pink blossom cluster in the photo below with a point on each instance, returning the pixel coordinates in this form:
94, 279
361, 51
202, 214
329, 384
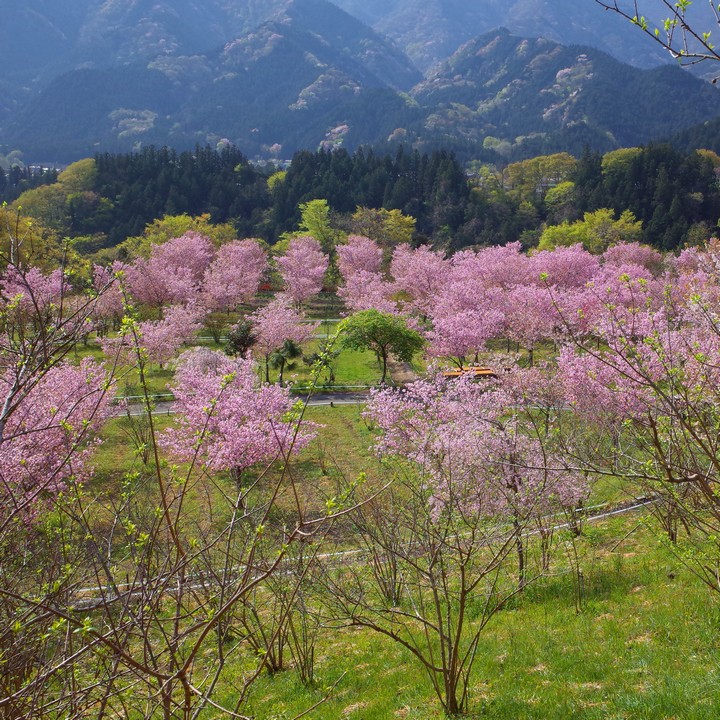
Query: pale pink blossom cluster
46, 439
234, 275
500, 292
471, 450
31, 294
159, 340
226, 419
109, 303
302, 269
364, 287
277, 322
188, 269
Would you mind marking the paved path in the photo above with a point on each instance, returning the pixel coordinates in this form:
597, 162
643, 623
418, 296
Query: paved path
167, 407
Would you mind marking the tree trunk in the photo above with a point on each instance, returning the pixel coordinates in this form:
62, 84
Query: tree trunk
520, 547
384, 359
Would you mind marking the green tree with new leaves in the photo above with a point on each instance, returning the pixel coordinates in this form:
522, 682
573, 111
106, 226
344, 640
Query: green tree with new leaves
672, 24
383, 333
596, 232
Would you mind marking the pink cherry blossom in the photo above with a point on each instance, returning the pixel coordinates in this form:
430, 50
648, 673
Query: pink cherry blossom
46, 439
277, 322
419, 274
303, 268
226, 420
470, 448
109, 304
159, 340
564, 267
359, 253
234, 276
173, 273
32, 294
634, 253
365, 290
464, 333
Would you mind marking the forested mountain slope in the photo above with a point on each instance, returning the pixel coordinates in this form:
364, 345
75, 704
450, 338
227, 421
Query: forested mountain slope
285, 83
431, 30
551, 97
273, 78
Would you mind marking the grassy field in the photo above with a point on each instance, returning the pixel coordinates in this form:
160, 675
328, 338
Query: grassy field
643, 644
636, 638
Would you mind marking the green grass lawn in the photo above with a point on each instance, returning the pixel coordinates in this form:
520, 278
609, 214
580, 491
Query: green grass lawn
645, 645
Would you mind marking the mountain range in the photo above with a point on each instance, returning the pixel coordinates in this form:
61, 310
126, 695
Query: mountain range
274, 76
431, 30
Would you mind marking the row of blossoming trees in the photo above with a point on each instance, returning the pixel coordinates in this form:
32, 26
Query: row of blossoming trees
111, 596
145, 599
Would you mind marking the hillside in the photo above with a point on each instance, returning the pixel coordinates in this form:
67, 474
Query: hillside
310, 75
285, 83
43, 39
431, 30
546, 96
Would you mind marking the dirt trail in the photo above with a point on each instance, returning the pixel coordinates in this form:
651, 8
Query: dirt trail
401, 372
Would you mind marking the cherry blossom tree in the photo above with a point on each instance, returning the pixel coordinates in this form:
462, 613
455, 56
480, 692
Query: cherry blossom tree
275, 323
359, 253
469, 476
564, 267
109, 306
419, 274
637, 254
468, 436
49, 413
45, 441
364, 288
531, 316
40, 327
161, 339
234, 275
31, 296
367, 291
475, 291
302, 269
580, 311
647, 396
464, 333
239, 424
501, 266
172, 274
122, 599
191, 252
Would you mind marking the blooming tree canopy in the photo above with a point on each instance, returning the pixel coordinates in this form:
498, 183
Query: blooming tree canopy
46, 440
225, 419
303, 268
173, 273
234, 276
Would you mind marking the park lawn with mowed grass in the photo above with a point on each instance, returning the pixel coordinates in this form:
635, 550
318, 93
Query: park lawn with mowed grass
644, 645
352, 368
